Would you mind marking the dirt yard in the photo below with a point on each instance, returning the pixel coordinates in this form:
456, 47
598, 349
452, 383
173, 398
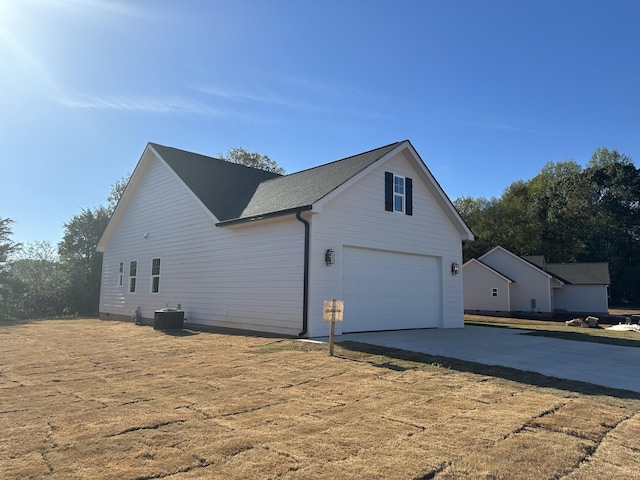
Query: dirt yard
109, 400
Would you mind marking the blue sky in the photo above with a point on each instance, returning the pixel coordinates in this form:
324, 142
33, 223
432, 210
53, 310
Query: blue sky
487, 91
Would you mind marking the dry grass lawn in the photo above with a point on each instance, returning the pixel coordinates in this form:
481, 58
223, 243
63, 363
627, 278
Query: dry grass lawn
110, 400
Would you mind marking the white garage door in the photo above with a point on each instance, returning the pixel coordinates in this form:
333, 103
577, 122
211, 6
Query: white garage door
389, 291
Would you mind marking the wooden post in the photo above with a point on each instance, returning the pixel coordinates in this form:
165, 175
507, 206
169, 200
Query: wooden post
331, 334
333, 313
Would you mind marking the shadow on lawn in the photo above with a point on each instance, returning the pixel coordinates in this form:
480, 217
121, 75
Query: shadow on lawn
520, 376
177, 332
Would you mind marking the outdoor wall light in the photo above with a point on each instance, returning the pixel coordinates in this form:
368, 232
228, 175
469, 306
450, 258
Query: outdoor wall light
455, 268
329, 257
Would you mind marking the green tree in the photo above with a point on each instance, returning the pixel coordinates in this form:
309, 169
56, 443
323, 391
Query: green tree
613, 233
7, 248
568, 213
81, 262
559, 207
506, 221
117, 190
7, 245
481, 215
39, 282
251, 159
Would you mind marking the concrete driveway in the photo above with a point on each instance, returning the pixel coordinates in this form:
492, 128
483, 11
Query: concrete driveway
596, 363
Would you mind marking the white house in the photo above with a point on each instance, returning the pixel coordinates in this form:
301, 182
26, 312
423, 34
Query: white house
500, 281
244, 248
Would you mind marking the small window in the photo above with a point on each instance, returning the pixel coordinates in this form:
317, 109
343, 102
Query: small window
133, 274
155, 275
120, 273
494, 292
398, 194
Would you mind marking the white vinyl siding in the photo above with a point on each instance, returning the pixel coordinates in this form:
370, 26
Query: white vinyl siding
239, 277
476, 294
250, 276
353, 218
530, 283
582, 298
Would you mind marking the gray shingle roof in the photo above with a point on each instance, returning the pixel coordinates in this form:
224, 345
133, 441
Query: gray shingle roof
304, 188
225, 188
537, 260
236, 193
596, 273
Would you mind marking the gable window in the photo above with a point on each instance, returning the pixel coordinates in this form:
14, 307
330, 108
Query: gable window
398, 194
120, 273
155, 275
494, 292
133, 275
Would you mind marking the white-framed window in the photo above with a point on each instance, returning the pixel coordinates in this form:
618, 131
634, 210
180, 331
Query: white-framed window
120, 273
398, 193
133, 275
155, 275
494, 292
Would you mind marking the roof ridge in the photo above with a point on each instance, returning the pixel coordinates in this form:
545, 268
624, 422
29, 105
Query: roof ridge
339, 160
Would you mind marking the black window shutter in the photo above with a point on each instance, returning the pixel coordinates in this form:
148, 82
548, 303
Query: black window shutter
408, 187
388, 191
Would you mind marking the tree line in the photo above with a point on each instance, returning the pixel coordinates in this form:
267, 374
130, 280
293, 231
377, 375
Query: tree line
568, 213
42, 280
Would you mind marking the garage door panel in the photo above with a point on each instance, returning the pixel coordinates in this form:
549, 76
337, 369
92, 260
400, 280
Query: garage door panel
389, 290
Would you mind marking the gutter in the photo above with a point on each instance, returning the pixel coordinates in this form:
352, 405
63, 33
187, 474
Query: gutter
305, 293
279, 213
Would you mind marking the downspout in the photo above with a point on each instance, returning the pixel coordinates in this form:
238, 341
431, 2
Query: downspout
305, 293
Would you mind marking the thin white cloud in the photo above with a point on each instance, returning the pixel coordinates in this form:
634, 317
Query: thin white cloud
140, 104
497, 124
246, 96
305, 95
101, 10
169, 105
511, 128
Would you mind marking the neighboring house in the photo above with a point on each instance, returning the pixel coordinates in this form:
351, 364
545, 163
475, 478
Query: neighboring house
244, 248
500, 281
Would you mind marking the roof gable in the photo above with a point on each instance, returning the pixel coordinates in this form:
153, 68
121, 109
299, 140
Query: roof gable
225, 188
475, 261
309, 189
594, 273
235, 193
304, 188
515, 258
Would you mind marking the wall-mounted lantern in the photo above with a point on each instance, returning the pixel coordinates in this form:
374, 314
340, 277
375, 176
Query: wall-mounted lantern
329, 257
455, 268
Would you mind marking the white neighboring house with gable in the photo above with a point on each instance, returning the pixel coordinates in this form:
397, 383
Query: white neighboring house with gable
500, 281
243, 248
